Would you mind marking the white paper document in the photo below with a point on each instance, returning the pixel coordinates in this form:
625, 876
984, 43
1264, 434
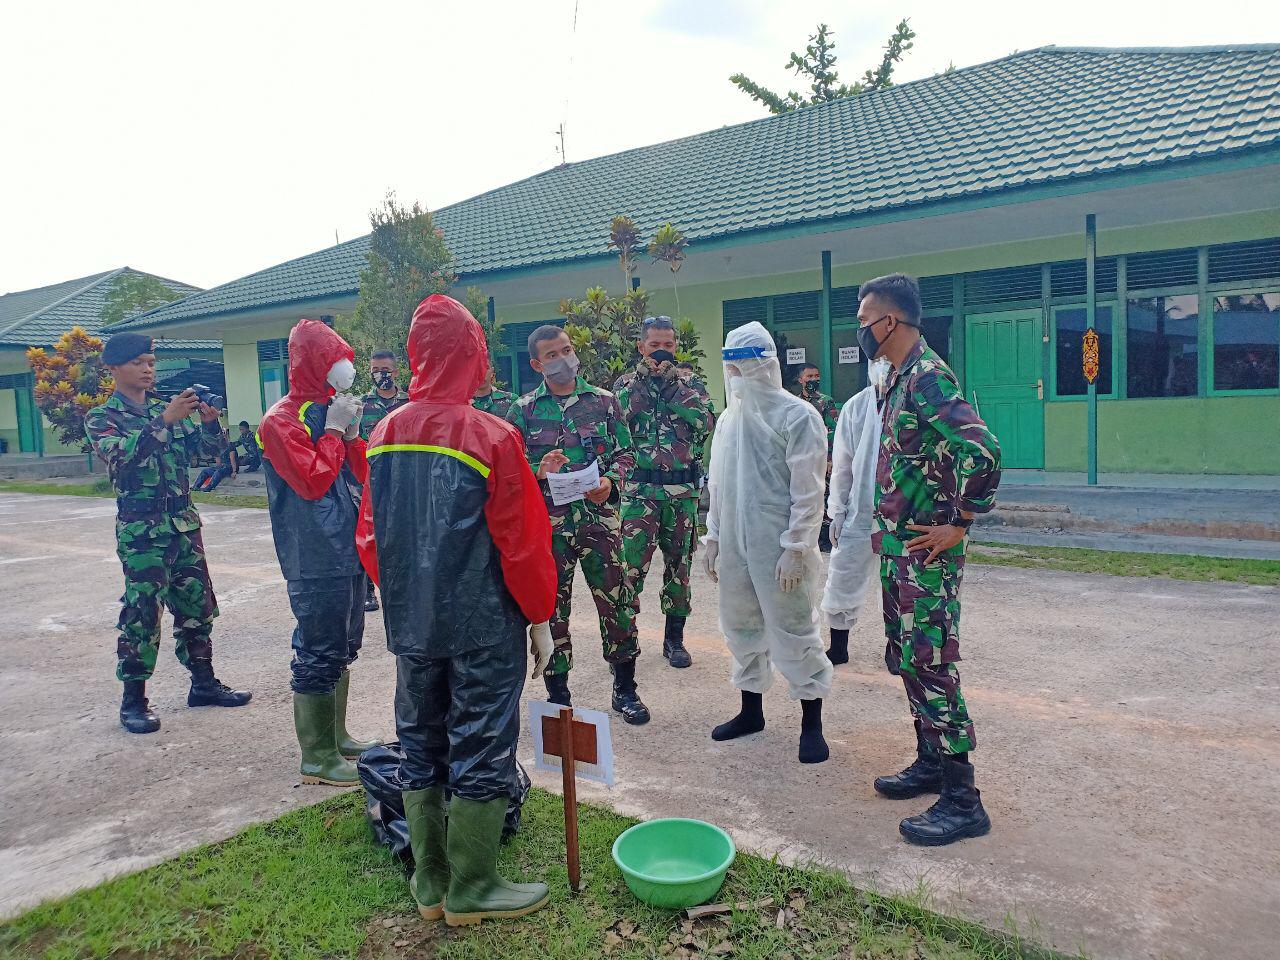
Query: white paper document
570, 487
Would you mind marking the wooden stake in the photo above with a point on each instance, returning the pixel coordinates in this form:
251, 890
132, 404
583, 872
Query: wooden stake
568, 765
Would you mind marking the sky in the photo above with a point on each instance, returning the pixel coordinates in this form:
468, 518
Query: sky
203, 141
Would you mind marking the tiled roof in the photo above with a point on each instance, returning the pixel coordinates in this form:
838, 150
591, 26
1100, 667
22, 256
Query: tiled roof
1033, 118
39, 317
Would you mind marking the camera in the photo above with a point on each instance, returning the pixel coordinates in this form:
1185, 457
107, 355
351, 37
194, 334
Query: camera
205, 395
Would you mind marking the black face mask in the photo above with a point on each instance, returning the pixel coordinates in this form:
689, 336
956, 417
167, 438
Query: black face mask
813, 386
868, 343
662, 356
384, 379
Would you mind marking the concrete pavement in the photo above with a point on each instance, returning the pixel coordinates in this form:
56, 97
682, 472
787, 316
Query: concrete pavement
1129, 742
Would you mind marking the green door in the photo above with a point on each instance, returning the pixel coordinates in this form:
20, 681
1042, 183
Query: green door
1003, 378
28, 419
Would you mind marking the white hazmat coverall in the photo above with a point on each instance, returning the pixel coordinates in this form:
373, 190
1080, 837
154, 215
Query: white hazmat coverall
850, 505
768, 470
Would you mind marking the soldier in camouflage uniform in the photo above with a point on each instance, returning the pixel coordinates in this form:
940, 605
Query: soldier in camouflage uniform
489, 399
566, 424
374, 405
670, 421
148, 445
938, 466
808, 386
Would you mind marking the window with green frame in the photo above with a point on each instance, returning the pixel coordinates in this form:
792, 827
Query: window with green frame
1246, 341
1069, 325
273, 370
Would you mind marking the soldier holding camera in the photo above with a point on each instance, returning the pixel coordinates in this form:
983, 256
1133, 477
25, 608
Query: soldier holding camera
148, 445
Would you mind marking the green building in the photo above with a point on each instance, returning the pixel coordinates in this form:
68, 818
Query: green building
978, 182
37, 318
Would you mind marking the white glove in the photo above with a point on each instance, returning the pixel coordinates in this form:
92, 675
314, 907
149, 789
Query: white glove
833, 532
790, 570
353, 430
709, 558
540, 647
342, 412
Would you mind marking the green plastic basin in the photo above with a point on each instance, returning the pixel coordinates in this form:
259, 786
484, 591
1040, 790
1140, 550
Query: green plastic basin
674, 863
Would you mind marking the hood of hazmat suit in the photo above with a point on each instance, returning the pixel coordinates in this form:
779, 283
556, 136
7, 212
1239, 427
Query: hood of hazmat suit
850, 505
452, 523
767, 480
312, 477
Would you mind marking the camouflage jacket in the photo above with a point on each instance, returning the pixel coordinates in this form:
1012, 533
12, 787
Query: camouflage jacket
827, 409
147, 460
587, 425
497, 402
936, 455
670, 420
373, 408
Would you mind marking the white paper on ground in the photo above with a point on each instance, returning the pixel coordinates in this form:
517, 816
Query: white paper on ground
570, 487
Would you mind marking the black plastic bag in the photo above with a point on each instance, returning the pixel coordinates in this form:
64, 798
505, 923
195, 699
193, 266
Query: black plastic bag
379, 769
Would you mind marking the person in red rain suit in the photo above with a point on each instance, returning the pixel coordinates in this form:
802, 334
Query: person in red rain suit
313, 461
455, 531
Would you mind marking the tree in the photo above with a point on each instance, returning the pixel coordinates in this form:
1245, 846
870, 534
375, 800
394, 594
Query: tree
604, 329
407, 261
818, 63
478, 304
132, 293
70, 381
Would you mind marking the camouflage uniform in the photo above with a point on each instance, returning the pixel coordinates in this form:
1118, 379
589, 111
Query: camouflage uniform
157, 529
670, 420
587, 425
374, 408
827, 409
497, 402
936, 457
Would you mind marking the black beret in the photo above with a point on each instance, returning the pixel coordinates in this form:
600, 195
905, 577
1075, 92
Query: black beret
124, 347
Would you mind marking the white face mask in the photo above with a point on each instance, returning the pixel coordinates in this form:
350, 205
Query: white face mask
342, 375
878, 372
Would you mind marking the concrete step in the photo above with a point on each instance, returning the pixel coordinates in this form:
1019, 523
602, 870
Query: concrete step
26, 467
1133, 543
1060, 518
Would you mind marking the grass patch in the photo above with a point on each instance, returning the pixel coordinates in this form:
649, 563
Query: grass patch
312, 884
1264, 573
102, 488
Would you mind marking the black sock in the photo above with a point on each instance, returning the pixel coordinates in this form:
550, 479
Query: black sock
813, 746
750, 719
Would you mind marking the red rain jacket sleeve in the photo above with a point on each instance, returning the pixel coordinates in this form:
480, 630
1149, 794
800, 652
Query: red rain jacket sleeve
366, 545
309, 469
521, 530
356, 460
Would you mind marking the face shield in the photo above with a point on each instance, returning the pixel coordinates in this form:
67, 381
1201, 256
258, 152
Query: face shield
750, 359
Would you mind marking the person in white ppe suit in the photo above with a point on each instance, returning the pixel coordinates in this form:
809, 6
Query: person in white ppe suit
767, 481
850, 505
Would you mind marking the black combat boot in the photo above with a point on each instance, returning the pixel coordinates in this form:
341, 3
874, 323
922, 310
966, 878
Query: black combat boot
750, 719
839, 652
208, 691
371, 599
923, 776
673, 644
558, 689
957, 814
813, 745
135, 711
625, 699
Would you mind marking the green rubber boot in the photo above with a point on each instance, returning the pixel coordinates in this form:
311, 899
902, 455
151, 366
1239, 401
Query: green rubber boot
315, 722
348, 746
476, 892
424, 810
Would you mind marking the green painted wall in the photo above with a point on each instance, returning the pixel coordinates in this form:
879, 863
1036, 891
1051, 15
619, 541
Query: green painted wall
1174, 435
240, 359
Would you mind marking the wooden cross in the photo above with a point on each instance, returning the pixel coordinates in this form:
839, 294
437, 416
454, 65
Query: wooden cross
571, 740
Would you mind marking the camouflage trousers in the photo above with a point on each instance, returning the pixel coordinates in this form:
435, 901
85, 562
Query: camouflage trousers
170, 569
672, 527
922, 624
597, 546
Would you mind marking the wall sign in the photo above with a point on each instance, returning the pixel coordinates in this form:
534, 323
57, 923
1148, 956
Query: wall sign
795, 355
850, 355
